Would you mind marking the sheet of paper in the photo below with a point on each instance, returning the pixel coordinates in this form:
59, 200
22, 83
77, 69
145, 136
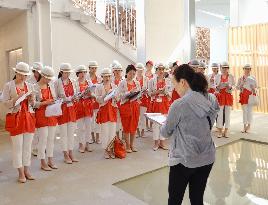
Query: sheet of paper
109, 96
54, 109
22, 98
156, 117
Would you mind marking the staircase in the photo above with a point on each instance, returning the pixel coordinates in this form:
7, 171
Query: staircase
123, 42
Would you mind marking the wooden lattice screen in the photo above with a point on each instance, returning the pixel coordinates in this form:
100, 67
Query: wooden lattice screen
249, 44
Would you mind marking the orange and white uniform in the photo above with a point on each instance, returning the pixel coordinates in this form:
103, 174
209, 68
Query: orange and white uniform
67, 121
174, 96
20, 123
84, 113
144, 100
107, 115
225, 99
149, 105
95, 127
211, 83
247, 86
45, 126
118, 123
130, 109
160, 102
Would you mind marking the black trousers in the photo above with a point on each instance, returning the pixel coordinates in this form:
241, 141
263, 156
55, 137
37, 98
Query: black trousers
180, 176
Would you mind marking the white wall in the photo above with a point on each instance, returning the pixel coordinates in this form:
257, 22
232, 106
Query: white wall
218, 28
72, 44
164, 25
13, 35
252, 12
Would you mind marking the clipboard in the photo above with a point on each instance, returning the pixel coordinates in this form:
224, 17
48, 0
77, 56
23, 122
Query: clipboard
156, 117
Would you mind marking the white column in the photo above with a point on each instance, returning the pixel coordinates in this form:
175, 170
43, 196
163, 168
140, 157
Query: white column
234, 13
165, 31
39, 30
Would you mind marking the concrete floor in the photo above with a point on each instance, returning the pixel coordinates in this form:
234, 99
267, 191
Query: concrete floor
91, 180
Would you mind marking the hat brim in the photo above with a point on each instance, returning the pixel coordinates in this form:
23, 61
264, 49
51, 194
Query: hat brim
140, 68
47, 77
79, 71
20, 72
106, 74
93, 66
67, 71
39, 71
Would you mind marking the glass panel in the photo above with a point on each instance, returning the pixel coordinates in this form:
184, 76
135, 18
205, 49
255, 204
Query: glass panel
239, 176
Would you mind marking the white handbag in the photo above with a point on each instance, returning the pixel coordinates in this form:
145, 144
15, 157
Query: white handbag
253, 100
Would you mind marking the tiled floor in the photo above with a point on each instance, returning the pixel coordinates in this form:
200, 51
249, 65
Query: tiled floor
91, 180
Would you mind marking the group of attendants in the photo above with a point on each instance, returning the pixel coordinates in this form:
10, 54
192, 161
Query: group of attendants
99, 121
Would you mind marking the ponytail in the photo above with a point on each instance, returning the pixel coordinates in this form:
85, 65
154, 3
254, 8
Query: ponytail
60, 75
196, 81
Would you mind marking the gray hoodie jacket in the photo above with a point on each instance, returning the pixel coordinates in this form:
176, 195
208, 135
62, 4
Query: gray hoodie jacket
188, 127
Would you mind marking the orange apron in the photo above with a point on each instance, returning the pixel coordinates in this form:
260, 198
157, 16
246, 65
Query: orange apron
175, 95
224, 98
107, 113
244, 96
68, 112
161, 103
144, 98
130, 114
84, 107
41, 119
23, 121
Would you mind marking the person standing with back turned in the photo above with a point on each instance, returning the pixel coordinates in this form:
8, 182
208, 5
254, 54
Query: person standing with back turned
188, 124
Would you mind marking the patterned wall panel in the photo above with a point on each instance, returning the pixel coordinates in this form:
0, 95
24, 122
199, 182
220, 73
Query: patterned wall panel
203, 44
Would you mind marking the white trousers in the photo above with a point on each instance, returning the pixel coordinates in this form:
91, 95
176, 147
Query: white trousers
35, 141
21, 149
108, 132
247, 114
224, 117
46, 141
84, 129
67, 136
95, 127
156, 132
142, 120
118, 123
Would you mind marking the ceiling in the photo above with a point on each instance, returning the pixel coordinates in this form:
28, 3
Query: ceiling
7, 15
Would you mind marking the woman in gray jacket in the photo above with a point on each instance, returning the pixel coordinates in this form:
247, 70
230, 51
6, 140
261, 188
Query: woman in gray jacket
188, 124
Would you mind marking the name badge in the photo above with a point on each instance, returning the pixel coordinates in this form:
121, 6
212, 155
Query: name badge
70, 104
159, 100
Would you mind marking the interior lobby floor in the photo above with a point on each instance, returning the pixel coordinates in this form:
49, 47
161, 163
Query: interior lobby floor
92, 180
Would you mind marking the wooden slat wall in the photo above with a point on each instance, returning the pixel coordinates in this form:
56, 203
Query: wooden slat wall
249, 44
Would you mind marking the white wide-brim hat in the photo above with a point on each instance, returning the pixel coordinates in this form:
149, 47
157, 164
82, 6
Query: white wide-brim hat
140, 66
48, 73
214, 65
106, 72
160, 65
81, 68
93, 64
194, 63
116, 65
22, 68
37, 66
225, 65
247, 66
66, 67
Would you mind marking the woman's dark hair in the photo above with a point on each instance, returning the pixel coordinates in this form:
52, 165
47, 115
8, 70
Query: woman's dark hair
60, 75
130, 68
77, 73
196, 81
39, 77
14, 78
